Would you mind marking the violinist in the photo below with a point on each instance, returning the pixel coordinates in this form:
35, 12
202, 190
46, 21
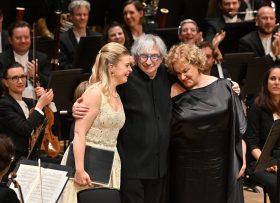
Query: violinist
7, 152
20, 40
15, 119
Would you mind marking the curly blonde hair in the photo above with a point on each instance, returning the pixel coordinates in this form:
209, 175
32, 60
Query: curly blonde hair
185, 53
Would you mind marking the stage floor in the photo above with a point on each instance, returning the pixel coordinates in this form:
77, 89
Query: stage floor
252, 197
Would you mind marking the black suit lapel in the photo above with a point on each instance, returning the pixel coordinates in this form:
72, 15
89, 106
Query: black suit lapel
18, 109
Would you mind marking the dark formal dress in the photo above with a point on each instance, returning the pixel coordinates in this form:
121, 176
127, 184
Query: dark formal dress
7, 195
260, 122
206, 145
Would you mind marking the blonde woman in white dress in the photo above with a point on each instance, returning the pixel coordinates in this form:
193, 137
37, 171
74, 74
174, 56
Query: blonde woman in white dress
105, 117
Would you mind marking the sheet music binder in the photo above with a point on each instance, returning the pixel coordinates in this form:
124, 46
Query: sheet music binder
98, 163
266, 159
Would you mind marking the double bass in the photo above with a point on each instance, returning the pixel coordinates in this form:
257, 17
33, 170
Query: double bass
50, 143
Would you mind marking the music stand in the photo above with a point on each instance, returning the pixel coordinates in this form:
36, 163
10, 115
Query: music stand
86, 53
234, 31
255, 70
270, 155
64, 83
236, 64
168, 35
34, 152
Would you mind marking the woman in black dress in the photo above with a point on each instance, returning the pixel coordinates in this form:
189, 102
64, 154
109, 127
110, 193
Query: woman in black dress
207, 127
261, 116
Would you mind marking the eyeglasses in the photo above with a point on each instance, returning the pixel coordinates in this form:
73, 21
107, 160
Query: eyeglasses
16, 78
153, 57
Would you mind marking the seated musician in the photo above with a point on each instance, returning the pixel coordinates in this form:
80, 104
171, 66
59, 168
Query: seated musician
69, 40
7, 152
16, 121
261, 40
20, 40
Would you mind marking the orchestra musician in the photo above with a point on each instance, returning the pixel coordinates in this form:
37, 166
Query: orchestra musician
7, 152
15, 119
20, 51
69, 40
261, 40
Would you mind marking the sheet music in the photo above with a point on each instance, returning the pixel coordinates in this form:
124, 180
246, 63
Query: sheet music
53, 182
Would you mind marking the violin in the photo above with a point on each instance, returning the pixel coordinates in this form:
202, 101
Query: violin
12, 177
50, 143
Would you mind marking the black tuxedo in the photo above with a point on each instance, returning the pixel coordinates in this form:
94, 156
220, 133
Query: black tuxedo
14, 124
68, 47
44, 65
251, 43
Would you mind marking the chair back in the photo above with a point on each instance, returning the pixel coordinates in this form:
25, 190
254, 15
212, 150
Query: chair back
99, 195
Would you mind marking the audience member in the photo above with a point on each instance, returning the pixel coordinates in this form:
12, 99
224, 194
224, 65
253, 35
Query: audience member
105, 117
114, 32
261, 116
20, 51
15, 119
207, 126
7, 153
227, 14
261, 41
69, 40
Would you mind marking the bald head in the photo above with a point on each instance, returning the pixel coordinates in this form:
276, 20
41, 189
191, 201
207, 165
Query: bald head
266, 20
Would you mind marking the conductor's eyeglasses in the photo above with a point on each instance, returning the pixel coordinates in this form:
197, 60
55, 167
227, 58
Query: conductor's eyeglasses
144, 57
16, 78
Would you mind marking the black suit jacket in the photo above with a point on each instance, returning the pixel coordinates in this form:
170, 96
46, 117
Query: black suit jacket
213, 26
44, 65
251, 43
14, 124
7, 195
68, 46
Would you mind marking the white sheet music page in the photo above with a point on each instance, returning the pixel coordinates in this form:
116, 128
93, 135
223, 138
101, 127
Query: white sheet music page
53, 182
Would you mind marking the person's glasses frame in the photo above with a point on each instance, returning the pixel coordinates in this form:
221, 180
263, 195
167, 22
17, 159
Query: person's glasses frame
153, 57
16, 78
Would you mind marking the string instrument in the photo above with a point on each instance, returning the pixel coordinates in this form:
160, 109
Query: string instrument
55, 56
50, 143
12, 177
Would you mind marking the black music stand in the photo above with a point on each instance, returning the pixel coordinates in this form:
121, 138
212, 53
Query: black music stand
270, 155
64, 83
255, 70
35, 151
168, 35
234, 31
86, 53
236, 64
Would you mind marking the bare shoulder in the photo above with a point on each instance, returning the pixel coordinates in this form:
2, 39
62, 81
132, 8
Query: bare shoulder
176, 89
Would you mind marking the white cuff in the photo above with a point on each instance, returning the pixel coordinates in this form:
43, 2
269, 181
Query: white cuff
39, 110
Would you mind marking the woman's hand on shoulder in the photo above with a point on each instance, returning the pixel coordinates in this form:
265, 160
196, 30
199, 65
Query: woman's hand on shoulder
82, 178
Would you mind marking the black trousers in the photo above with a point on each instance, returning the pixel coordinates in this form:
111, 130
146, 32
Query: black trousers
269, 180
144, 190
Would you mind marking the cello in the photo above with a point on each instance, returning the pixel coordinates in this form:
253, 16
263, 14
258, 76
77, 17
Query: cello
50, 143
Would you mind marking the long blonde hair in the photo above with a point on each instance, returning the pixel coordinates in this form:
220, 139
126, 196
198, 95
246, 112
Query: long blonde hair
109, 54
